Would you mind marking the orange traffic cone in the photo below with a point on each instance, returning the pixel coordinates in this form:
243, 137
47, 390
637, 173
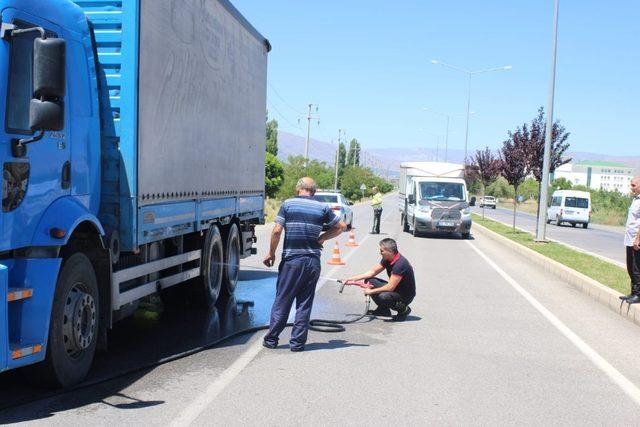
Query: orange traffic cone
335, 258
352, 239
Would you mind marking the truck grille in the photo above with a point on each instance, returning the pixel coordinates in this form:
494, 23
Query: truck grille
439, 213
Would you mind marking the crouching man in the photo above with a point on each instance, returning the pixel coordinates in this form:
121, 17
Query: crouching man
399, 291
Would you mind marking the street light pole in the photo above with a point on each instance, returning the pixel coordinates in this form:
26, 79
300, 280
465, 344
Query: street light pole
546, 163
466, 128
469, 73
446, 141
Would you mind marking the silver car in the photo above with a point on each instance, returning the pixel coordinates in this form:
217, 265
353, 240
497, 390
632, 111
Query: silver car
488, 201
338, 203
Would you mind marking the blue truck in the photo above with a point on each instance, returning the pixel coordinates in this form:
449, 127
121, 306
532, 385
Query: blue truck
133, 165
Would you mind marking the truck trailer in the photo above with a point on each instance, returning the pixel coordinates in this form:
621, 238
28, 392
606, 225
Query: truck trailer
133, 164
433, 197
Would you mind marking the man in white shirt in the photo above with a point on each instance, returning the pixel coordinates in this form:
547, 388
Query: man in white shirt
632, 242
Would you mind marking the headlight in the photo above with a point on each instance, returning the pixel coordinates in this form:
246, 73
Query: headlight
466, 211
425, 209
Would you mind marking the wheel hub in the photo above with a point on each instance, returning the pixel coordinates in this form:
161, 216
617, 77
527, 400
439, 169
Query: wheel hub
79, 321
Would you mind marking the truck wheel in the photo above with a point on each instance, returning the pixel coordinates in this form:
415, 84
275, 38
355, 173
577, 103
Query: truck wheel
73, 331
211, 268
585, 224
414, 229
231, 259
405, 224
466, 236
558, 220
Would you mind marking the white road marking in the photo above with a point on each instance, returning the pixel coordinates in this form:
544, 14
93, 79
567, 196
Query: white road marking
627, 386
198, 406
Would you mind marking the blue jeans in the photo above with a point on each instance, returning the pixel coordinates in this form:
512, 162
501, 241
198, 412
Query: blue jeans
297, 280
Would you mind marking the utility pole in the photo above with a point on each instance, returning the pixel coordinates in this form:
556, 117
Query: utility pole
541, 227
306, 147
335, 179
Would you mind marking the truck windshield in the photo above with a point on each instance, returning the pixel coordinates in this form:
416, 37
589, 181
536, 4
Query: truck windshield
576, 202
442, 191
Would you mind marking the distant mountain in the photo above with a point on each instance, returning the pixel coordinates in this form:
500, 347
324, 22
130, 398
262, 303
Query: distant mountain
390, 158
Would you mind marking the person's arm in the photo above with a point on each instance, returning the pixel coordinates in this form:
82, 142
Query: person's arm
270, 259
391, 286
636, 241
368, 275
334, 231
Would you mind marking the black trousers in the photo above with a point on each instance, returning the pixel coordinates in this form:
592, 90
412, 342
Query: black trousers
633, 268
392, 300
377, 213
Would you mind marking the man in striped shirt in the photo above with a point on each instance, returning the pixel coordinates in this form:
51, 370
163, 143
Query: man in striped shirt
302, 219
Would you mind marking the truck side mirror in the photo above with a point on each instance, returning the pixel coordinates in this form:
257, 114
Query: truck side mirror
412, 198
46, 115
472, 202
49, 68
46, 109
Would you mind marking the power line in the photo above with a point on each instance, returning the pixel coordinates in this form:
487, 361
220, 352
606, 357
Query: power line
298, 112
283, 117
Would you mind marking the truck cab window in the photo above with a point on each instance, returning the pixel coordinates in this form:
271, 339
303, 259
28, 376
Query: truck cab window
20, 89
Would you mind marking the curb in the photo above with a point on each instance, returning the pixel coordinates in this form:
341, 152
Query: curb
593, 288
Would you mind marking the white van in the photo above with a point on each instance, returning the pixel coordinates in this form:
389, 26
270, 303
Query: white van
573, 207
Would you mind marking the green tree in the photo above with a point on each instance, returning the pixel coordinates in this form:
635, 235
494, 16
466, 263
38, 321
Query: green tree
273, 174
353, 157
294, 170
529, 189
272, 137
500, 188
561, 183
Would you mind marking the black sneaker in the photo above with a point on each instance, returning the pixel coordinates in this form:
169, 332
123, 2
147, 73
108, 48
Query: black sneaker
269, 344
401, 317
380, 311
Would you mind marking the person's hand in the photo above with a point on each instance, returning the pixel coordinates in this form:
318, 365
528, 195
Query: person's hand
367, 291
321, 242
636, 244
269, 260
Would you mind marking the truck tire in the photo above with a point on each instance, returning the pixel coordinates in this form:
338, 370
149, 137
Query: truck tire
74, 326
466, 236
558, 220
414, 229
405, 224
231, 259
585, 224
211, 268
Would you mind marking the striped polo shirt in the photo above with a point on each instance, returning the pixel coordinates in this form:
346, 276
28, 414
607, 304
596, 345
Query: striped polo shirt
302, 218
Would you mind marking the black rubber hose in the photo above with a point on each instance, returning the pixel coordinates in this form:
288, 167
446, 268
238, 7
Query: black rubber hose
320, 325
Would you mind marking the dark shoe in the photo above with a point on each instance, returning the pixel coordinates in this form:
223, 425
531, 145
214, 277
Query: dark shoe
401, 317
625, 297
380, 311
633, 299
268, 344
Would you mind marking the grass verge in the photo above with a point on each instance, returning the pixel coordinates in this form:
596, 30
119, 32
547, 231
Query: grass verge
606, 273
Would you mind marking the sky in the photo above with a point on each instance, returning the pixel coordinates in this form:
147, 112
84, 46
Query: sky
366, 64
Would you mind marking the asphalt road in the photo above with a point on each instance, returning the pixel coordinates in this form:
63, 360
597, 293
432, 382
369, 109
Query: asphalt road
491, 340
602, 240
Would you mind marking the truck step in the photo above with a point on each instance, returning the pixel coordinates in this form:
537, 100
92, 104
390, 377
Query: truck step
16, 294
21, 350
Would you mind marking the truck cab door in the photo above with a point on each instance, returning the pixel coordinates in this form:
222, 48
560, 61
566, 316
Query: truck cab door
32, 182
411, 206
